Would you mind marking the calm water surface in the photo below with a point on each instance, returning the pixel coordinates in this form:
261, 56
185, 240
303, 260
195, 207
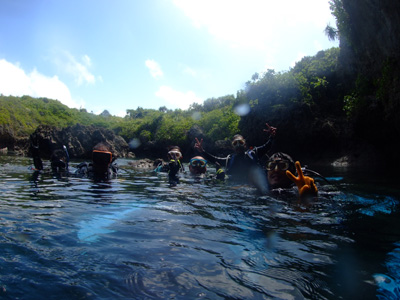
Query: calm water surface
137, 238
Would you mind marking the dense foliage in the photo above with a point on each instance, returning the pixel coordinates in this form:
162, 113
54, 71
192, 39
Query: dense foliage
24, 114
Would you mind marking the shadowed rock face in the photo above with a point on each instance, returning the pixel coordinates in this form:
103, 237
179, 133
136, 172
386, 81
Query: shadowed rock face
372, 28
78, 139
374, 50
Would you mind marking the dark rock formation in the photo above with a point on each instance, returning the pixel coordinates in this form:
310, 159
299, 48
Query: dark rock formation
78, 139
10, 143
371, 46
7, 137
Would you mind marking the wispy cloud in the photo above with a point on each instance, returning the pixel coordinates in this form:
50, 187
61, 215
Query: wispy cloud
14, 81
178, 99
77, 68
154, 68
189, 71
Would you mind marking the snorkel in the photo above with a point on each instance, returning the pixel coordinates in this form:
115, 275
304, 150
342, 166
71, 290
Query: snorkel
66, 155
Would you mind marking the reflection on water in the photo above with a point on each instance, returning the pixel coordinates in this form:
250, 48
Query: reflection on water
136, 237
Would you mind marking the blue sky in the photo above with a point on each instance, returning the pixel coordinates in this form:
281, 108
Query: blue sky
122, 54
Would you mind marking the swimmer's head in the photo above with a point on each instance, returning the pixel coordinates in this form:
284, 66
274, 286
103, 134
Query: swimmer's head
59, 161
239, 143
197, 165
102, 156
174, 152
277, 166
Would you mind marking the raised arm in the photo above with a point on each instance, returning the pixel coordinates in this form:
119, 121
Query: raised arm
214, 159
263, 149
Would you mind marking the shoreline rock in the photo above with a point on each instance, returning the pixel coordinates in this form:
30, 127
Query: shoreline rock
78, 139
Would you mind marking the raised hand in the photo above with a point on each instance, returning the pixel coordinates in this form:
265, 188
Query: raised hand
305, 184
271, 130
199, 145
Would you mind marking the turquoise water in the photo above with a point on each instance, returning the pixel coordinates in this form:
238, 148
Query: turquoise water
137, 238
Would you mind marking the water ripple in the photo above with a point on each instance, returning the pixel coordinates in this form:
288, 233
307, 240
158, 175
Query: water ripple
136, 237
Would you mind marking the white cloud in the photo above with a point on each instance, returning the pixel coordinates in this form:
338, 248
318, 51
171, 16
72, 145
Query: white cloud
78, 69
121, 113
154, 67
14, 81
255, 23
177, 98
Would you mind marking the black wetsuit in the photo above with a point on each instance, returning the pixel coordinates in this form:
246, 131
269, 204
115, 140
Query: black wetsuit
238, 165
86, 170
173, 167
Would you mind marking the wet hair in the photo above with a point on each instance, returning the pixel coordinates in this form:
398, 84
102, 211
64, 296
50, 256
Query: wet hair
58, 155
58, 160
284, 156
237, 137
174, 148
102, 147
100, 156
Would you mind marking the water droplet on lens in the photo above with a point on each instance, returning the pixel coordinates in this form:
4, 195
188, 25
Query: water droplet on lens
135, 143
242, 109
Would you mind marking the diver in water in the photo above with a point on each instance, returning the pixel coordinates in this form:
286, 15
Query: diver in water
243, 165
280, 170
102, 166
59, 160
198, 168
58, 165
174, 166
276, 167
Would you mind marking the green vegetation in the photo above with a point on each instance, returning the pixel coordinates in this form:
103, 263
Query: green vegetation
270, 96
24, 114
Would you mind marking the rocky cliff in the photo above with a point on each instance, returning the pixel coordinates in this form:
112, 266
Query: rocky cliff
370, 47
78, 139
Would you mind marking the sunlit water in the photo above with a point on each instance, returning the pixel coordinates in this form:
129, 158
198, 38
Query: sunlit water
137, 238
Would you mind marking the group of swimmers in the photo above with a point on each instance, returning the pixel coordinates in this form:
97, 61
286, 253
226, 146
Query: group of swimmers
244, 166
102, 166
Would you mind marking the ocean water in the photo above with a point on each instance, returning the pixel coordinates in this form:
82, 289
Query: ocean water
135, 237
